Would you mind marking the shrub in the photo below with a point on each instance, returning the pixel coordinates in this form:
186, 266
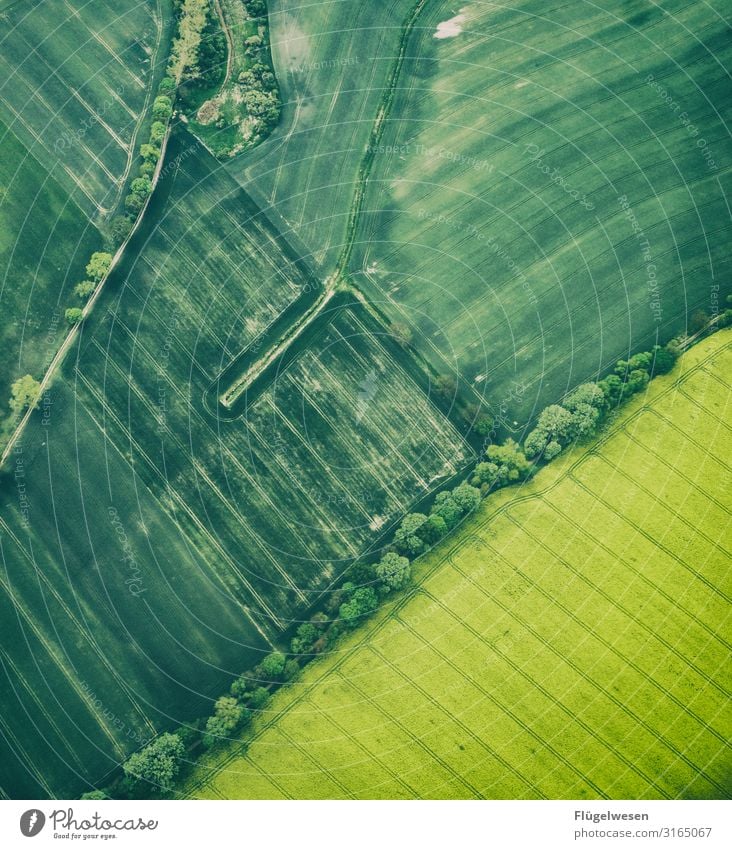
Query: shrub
73, 315
120, 230
24, 393
167, 86
84, 289
305, 636
228, 714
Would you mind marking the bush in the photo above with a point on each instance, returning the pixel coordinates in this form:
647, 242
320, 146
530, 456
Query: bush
147, 169
73, 315
95, 795
84, 289
506, 464
259, 698
98, 265
24, 393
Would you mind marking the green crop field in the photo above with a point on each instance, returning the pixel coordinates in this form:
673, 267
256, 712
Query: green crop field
44, 246
571, 641
217, 528
332, 60
537, 207
75, 86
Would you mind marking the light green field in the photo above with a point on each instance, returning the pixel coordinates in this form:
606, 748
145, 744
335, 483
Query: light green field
493, 222
572, 641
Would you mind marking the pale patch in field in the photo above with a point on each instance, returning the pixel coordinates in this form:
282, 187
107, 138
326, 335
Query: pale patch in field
376, 523
452, 27
209, 111
521, 84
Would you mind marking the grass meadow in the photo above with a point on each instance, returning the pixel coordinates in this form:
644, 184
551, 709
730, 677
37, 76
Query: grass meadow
570, 641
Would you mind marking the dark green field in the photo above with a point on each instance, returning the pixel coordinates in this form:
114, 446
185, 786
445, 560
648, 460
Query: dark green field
539, 209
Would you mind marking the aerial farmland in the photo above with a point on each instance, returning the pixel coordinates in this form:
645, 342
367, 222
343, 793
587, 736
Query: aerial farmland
367, 421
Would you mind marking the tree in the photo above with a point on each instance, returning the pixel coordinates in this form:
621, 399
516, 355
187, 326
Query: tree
361, 603
272, 667
585, 393
664, 359
552, 450
228, 714
292, 667
636, 382
149, 152
73, 315
507, 464
84, 289
162, 108
94, 795
304, 638
120, 229
407, 539
98, 265
147, 169
259, 698
483, 425
157, 132
134, 203
698, 321
556, 423
612, 389
393, 571
536, 442
466, 497
447, 508
433, 530
584, 420
256, 8
141, 186
24, 393
167, 86
158, 763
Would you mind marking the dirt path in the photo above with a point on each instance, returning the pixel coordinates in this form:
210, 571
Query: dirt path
229, 42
